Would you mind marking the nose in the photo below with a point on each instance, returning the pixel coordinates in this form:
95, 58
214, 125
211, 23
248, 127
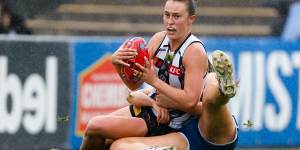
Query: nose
170, 20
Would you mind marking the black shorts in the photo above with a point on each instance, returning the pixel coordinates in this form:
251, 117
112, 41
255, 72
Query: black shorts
154, 128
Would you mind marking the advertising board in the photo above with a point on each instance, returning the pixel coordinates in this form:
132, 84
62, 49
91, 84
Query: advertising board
34, 94
267, 105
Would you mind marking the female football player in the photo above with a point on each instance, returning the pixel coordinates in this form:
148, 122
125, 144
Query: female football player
219, 135
178, 69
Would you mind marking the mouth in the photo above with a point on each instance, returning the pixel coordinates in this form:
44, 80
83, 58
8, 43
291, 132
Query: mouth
169, 29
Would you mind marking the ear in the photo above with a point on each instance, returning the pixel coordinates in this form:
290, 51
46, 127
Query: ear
192, 19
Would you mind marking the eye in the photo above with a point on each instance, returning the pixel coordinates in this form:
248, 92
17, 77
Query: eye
167, 15
176, 16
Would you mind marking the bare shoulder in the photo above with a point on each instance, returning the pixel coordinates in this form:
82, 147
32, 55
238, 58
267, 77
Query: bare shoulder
197, 49
155, 41
195, 52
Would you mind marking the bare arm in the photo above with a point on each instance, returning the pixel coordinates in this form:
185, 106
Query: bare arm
195, 62
122, 54
141, 98
164, 100
198, 109
118, 58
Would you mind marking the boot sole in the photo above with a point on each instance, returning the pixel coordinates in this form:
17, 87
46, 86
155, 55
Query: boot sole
224, 70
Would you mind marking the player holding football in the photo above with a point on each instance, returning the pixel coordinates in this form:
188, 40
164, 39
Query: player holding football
180, 73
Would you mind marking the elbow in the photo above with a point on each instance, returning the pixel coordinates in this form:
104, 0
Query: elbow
191, 104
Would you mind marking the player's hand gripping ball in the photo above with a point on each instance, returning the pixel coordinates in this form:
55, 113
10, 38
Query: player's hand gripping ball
139, 44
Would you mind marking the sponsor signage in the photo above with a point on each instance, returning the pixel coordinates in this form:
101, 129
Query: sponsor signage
99, 89
100, 92
34, 93
267, 105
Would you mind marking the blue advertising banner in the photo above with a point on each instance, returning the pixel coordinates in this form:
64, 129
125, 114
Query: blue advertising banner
268, 96
97, 88
266, 107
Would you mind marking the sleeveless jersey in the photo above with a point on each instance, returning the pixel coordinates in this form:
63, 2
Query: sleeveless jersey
169, 68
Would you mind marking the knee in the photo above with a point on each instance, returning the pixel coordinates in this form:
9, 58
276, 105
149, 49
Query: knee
96, 125
120, 144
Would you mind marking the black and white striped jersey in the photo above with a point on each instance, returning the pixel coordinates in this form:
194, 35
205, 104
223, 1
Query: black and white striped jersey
169, 68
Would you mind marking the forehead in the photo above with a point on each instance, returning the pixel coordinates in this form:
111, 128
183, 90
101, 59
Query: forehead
175, 7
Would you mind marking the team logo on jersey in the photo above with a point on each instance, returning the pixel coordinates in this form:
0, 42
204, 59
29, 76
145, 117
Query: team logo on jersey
174, 70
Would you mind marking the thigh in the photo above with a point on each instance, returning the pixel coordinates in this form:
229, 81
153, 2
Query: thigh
172, 139
115, 127
216, 122
121, 112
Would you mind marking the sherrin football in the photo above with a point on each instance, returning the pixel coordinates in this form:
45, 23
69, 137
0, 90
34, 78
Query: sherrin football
139, 44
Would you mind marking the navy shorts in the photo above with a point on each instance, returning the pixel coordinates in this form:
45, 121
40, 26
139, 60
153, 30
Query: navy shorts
196, 142
154, 128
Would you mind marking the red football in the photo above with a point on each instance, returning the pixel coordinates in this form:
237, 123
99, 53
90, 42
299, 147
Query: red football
139, 44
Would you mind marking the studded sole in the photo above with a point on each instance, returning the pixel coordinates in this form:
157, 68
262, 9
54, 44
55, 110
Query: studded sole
224, 70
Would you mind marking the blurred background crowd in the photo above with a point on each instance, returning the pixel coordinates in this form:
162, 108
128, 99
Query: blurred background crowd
118, 17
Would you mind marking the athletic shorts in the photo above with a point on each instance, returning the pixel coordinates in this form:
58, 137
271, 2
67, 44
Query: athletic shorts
196, 142
154, 128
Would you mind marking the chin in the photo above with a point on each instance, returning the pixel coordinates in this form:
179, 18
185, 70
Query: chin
171, 35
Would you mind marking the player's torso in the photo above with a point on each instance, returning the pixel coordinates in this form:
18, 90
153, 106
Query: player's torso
169, 67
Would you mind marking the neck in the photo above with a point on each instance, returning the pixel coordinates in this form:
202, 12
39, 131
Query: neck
175, 43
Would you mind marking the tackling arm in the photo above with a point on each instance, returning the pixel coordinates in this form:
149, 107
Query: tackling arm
140, 98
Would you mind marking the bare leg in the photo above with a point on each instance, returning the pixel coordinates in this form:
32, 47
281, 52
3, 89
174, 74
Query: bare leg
141, 143
113, 126
216, 122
